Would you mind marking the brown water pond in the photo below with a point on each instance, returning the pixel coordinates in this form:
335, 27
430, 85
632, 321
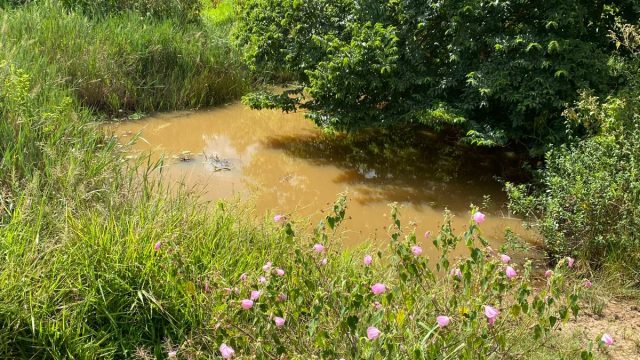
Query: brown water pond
283, 164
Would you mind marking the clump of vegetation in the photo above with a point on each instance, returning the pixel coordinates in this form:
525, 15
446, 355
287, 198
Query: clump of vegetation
124, 62
588, 199
502, 71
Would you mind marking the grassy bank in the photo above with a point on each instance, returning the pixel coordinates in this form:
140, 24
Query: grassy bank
125, 62
97, 264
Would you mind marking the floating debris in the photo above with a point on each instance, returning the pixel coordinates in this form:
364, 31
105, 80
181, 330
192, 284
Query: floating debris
184, 156
217, 163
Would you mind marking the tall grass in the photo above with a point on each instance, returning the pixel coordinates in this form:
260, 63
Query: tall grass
124, 62
74, 224
177, 10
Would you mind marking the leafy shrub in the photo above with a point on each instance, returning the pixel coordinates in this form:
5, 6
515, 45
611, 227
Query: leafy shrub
588, 202
342, 310
504, 69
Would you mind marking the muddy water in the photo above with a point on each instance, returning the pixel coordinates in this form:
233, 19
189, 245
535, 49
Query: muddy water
282, 163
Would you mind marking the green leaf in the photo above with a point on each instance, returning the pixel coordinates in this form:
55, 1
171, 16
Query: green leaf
352, 322
400, 317
537, 332
533, 45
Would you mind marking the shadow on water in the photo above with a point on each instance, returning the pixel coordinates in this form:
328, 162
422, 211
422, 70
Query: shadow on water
411, 164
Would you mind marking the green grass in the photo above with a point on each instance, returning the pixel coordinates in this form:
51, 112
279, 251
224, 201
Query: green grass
124, 62
222, 13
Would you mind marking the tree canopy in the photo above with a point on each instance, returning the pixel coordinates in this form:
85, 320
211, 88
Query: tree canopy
503, 71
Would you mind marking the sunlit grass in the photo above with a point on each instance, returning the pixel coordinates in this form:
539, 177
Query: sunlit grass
125, 62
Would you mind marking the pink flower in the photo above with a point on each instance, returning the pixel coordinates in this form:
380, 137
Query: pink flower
456, 272
587, 283
255, 294
377, 305
279, 272
373, 333
378, 288
491, 313
427, 234
505, 258
156, 247
206, 286
243, 277
367, 260
246, 304
318, 248
279, 321
607, 339
443, 321
548, 274
262, 280
479, 217
570, 262
416, 250
323, 261
172, 354
510, 272
282, 297
228, 290
227, 351
267, 267
278, 218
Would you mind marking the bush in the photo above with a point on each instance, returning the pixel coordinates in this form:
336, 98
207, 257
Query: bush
590, 204
125, 62
588, 200
505, 70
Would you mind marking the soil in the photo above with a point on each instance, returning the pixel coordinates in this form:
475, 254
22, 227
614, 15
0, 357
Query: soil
620, 319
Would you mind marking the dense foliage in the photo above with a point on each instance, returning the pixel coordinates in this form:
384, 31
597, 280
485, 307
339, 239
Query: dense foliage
504, 69
588, 199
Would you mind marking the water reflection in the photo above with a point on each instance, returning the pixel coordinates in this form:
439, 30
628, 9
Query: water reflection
409, 166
